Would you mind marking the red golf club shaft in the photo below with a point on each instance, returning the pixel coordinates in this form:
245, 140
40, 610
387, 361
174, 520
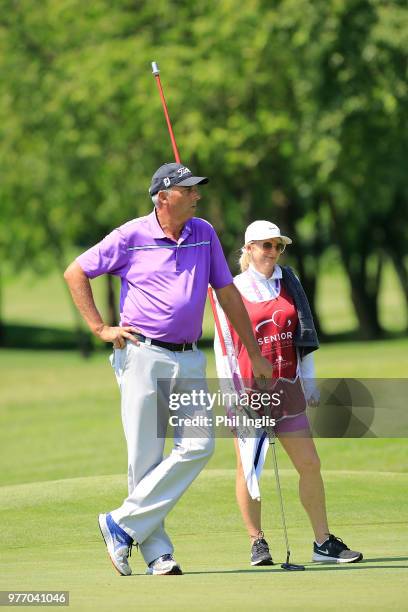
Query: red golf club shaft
156, 72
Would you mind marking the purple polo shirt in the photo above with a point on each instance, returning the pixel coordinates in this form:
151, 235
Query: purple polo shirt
164, 283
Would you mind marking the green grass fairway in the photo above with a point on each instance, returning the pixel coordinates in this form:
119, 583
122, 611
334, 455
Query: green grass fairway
51, 540
62, 455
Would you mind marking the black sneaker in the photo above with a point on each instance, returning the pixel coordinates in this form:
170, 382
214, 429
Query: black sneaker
260, 554
334, 550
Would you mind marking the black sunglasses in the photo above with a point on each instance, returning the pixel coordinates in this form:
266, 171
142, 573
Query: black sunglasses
267, 246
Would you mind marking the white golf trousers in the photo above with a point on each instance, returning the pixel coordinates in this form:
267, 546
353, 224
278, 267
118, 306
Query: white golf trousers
156, 483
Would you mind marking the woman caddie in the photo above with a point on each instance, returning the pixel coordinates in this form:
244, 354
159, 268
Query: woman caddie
283, 326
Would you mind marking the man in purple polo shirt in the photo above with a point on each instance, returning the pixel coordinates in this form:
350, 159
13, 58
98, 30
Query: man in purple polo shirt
165, 261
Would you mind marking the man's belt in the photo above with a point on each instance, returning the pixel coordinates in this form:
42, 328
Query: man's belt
170, 346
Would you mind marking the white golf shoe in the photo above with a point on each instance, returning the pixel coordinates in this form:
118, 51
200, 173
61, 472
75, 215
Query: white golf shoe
164, 566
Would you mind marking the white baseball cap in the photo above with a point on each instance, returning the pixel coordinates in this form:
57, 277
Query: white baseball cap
261, 230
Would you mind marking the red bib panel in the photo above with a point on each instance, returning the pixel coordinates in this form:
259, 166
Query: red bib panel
274, 323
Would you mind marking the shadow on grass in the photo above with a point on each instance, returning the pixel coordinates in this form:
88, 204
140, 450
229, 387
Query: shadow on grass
386, 559
47, 338
365, 564
356, 336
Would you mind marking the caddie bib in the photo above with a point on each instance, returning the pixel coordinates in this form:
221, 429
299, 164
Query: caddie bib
274, 323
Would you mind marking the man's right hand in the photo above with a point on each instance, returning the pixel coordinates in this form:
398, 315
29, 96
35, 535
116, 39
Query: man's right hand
117, 335
261, 367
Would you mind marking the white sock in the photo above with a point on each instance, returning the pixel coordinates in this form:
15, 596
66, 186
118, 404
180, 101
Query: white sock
321, 543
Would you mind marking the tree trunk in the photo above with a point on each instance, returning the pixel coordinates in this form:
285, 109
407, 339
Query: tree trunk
364, 287
402, 277
2, 334
364, 295
366, 310
84, 344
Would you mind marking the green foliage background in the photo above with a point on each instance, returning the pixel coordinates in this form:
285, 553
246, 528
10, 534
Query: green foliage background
296, 109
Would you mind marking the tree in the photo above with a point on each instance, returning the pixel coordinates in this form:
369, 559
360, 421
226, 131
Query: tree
363, 123
295, 109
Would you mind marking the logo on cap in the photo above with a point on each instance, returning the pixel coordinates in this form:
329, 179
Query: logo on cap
183, 171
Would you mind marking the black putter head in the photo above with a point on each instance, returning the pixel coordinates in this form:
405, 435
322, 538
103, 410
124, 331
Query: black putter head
292, 567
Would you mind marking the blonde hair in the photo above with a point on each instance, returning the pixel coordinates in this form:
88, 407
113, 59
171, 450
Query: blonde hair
244, 259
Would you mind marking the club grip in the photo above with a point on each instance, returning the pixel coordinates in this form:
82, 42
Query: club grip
155, 68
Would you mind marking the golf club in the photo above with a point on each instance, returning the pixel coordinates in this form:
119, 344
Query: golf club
271, 434
286, 566
156, 73
292, 567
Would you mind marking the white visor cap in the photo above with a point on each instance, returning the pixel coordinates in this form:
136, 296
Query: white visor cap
262, 230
